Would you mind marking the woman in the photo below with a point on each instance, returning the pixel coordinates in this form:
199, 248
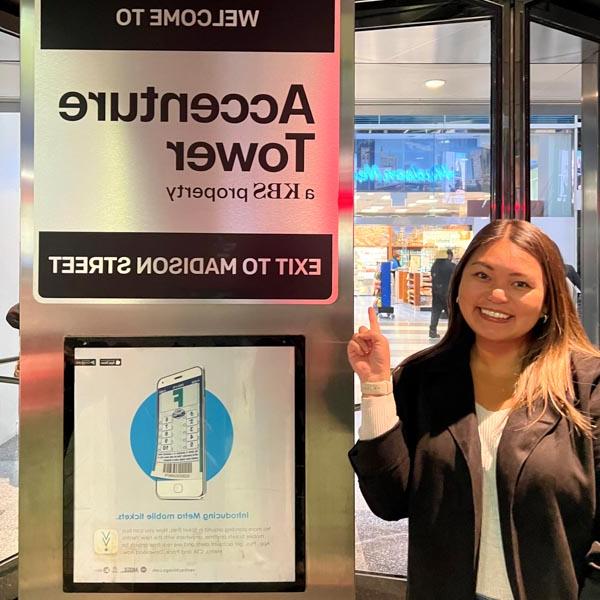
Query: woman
486, 442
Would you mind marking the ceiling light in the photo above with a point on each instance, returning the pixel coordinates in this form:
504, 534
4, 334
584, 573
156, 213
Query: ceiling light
434, 84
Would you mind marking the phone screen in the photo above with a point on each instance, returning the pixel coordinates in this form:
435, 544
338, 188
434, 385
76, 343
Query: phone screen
179, 446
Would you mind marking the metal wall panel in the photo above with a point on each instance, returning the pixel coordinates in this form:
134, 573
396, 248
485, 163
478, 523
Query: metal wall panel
329, 417
590, 221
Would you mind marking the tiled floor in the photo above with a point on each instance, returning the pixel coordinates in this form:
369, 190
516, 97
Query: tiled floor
381, 546
9, 494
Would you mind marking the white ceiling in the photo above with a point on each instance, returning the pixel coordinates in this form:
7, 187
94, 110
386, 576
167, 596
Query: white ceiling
9, 66
392, 65
378, 83
424, 44
459, 43
390, 83
9, 47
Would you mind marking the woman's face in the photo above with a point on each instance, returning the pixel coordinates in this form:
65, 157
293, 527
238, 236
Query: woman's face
501, 292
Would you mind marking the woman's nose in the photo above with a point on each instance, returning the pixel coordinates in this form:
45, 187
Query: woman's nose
498, 295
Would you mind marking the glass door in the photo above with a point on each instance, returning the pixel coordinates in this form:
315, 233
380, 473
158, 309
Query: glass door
9, 295
563, 83
424, 184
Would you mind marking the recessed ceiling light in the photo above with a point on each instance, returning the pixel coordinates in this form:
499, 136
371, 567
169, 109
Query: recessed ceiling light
434, 84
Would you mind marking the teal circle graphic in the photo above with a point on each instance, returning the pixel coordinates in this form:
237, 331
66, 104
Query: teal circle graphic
218, 431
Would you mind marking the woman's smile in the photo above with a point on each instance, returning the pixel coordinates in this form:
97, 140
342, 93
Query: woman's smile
494, 316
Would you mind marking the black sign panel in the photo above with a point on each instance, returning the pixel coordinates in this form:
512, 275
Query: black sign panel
185, 266
211, 25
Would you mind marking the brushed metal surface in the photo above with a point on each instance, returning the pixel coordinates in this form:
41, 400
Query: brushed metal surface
329, 429
589, 250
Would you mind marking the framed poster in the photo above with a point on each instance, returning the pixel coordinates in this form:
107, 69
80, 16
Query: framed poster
184, 464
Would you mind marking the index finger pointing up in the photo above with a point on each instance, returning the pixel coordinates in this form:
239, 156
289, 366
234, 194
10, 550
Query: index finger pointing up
373, 322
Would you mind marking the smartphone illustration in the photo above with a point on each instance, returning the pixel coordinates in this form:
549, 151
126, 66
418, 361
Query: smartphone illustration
180, 462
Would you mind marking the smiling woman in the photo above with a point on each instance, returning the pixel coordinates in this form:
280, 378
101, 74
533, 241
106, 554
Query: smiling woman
501, 298
485, 440
511, 291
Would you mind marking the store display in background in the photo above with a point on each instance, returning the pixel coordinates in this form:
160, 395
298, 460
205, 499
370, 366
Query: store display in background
366, 264
429, 203
372, 235
371, 248
419, 290
417, 245
414, 247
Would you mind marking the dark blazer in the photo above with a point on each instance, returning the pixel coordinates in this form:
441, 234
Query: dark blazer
428, 468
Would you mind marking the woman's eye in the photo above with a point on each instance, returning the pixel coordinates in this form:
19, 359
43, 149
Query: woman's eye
481, 275
521, 284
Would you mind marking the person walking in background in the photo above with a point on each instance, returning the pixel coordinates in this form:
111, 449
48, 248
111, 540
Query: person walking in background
441, 273
488, 441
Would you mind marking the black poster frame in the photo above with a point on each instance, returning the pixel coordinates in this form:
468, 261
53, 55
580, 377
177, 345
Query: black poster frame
295, 341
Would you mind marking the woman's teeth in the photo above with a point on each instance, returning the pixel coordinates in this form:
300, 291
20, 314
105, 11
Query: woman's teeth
494, 314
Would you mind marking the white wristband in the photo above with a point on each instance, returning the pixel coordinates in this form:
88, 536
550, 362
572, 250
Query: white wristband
376, 388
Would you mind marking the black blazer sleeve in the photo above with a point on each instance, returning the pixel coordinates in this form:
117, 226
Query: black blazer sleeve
383, 464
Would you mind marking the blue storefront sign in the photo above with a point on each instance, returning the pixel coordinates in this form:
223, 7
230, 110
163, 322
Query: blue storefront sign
429, 162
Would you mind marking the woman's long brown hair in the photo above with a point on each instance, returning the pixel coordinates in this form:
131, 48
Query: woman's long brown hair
546, 367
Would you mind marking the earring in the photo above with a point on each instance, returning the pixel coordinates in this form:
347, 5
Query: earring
544, 317
457, 299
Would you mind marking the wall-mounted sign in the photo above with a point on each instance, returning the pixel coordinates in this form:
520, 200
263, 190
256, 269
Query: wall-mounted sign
187, 152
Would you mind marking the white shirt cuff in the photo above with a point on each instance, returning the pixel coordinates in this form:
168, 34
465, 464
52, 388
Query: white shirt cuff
378, 416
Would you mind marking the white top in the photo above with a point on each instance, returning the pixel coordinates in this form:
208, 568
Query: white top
379, 416
492, 577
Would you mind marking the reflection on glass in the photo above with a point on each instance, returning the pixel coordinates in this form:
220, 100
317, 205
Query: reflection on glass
422, 188
552, 173
443, 174
556, 80
9, 295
